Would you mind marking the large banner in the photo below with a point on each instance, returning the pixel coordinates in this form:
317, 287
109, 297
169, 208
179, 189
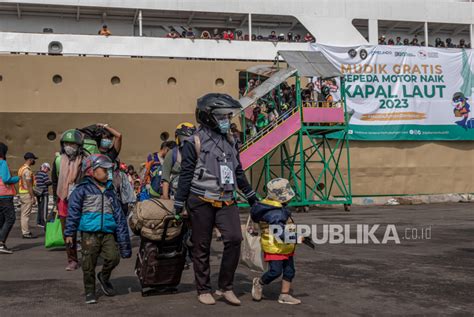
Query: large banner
405, 92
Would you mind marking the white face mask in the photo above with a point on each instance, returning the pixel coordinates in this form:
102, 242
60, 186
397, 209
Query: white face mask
70, 150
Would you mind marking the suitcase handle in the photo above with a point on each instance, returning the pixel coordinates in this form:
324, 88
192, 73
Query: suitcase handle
166, 221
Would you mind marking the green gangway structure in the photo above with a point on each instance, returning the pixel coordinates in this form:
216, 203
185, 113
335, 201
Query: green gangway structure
308, 142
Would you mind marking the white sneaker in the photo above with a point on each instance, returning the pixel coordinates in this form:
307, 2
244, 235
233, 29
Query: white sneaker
257, 289
229, 296
206, 299
288, 299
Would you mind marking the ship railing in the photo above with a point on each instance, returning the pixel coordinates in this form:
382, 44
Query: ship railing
275, 123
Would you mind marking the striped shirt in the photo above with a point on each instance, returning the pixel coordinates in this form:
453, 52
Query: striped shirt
42, 181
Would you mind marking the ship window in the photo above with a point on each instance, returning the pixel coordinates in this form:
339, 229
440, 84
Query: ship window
171, 81
449, 35
57, 79
362, 25
115, 80
51, 135
164, 136
408, 32
219, 82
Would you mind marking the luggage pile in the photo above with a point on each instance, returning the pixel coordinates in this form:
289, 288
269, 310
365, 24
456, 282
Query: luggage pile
162, 254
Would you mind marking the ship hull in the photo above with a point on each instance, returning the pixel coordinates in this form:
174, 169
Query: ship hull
154, 95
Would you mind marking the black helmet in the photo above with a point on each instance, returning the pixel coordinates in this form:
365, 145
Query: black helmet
215, 104
183, 130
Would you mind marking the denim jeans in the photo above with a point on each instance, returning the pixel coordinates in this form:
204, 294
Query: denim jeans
278, 268
42, 209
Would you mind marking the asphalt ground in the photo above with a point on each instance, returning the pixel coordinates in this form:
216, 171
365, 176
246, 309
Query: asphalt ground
430, 275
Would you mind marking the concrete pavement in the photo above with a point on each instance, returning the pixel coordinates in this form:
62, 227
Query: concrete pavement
418, 276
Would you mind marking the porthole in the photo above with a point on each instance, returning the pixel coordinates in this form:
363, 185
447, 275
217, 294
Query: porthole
57, 79
164, 136
51, 135
115, 80
219, 82
172, 81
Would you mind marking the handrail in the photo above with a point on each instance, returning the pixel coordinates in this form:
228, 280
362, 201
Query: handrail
286, 115
322, 104
281, 118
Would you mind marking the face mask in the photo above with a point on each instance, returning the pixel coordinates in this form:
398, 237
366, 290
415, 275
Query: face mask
33, 163
224, 125
110, 174
69, 150
457, 104
106, 143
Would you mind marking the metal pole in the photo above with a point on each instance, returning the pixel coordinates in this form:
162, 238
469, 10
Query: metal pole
472, 34
348, 196
140, 24
250, 27
426, 34
300, 136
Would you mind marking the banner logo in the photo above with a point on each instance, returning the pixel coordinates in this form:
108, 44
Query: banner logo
352, 53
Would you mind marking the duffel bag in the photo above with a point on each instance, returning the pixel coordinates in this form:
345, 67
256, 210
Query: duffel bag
147, 219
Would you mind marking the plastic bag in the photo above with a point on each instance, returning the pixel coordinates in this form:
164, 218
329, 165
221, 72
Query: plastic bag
251, 252
54, 234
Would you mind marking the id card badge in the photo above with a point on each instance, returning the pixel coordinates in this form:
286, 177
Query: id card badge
227, 173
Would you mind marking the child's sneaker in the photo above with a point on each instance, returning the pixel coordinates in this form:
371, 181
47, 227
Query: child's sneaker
288, 299
106, 286
91, 299
257, 289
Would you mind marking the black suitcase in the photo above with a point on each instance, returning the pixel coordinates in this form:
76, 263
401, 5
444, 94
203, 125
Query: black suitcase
160, 264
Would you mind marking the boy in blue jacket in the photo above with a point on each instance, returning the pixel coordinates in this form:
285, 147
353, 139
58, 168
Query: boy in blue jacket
279, 255
94, 210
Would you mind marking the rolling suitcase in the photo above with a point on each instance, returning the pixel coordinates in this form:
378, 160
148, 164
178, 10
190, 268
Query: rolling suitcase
160, 264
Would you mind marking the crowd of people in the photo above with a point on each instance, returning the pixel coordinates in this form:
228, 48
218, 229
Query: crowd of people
228, 34
279, 102
238, 35
414, 42
198, 174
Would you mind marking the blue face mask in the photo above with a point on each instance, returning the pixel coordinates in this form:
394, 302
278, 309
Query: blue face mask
106, 143
224, 125
111, 174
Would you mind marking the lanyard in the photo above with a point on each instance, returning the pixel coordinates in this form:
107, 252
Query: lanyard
217, 145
